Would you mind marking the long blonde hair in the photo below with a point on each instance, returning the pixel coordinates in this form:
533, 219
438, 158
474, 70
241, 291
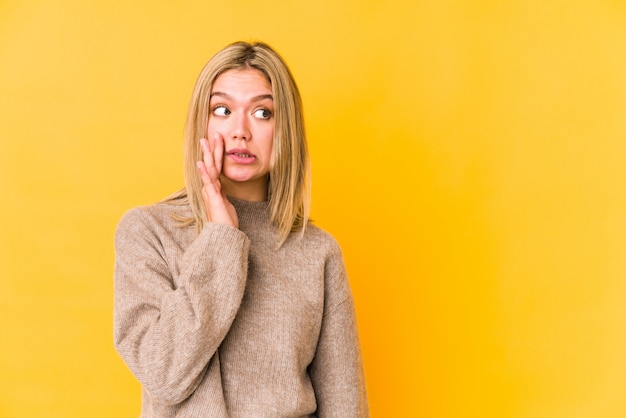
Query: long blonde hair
288, 189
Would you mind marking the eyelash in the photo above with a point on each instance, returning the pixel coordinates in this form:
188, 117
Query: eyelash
269, 113
219, 106
214, 108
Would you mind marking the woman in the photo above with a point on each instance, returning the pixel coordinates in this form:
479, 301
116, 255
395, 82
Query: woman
228, 303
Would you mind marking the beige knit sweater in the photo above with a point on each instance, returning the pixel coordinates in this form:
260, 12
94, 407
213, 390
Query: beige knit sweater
222, 324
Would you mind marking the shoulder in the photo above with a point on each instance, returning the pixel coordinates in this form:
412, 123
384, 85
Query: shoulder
145, 216
153, 220
317, 237
336, 283
323, 244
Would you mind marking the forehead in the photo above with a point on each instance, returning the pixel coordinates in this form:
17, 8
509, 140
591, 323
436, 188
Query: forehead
243, 80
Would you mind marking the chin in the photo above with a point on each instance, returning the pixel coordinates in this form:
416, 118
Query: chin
240, 174
242, 177
237, 178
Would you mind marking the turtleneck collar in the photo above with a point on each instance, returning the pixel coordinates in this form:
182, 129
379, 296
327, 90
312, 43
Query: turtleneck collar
251, 213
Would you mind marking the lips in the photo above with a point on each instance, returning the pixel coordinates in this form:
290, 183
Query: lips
240, 152
241, 155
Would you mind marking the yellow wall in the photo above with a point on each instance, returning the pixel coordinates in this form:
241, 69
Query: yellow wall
469, 156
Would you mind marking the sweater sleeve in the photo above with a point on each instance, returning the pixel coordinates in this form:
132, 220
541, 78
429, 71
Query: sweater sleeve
167, 331
337, 369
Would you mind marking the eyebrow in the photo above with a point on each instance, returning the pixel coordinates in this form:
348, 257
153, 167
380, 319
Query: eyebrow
254, 99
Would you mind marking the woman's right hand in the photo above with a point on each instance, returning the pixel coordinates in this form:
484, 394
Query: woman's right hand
218, 208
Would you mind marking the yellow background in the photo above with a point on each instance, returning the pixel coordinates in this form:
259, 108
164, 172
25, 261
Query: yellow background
468, 155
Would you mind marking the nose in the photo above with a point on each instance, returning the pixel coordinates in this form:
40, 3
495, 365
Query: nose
240, 129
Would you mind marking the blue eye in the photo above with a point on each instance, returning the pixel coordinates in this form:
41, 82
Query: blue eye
221, 111
262, 113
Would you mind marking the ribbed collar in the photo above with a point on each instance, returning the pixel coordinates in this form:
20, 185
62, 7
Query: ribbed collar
251, 214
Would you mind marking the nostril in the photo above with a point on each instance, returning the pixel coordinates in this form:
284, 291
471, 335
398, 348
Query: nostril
241, 135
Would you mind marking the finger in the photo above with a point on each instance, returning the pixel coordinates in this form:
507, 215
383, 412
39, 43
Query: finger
207, 165
207, 185
211, 143
218, 152
204, 174
209, 159
206, 152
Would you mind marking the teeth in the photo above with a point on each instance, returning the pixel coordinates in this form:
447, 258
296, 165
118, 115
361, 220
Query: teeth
242, 155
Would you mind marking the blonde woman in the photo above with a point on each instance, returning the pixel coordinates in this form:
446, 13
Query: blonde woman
228, 302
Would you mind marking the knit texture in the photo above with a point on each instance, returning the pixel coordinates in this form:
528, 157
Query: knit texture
225, 324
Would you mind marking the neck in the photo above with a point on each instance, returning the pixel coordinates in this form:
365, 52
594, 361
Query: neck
255, 191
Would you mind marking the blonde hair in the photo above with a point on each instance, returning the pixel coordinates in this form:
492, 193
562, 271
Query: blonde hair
288, 187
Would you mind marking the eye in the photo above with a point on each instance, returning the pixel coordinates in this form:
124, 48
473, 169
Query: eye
221, 110
262, 113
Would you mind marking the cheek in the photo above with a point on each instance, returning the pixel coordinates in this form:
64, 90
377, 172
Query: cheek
268, 141
210, 127
215, 125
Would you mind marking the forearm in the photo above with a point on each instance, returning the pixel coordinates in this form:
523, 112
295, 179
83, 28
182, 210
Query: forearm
167, 331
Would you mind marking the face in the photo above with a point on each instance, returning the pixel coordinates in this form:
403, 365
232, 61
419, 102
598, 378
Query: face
242, 112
